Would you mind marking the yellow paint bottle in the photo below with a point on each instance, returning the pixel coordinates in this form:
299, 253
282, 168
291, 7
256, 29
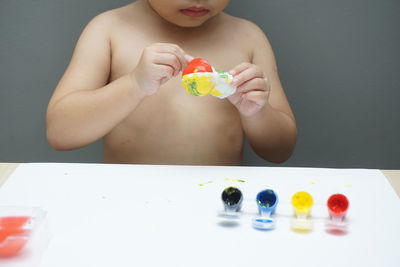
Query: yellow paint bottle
302, 203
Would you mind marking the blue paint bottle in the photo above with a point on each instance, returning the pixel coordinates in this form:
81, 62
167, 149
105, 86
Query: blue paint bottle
267, 200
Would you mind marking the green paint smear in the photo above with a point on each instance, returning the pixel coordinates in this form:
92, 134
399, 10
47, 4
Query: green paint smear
264, 205
222, 74
193, 88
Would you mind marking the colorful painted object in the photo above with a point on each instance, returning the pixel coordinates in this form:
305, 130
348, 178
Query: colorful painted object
302, 203
197, 65
232, 199
199, 78
267, 200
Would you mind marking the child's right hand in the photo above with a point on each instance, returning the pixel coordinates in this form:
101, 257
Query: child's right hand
159, 63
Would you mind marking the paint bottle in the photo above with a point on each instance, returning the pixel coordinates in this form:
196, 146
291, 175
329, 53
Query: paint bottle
302, 203
338, 206
232, 199
267, 200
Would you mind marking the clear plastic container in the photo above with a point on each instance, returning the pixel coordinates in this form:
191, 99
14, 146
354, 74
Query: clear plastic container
23, 236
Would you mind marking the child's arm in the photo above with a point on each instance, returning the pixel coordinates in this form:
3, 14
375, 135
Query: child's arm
84, 107
267, 118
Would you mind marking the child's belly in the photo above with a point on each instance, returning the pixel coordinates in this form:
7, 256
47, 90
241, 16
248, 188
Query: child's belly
173, 127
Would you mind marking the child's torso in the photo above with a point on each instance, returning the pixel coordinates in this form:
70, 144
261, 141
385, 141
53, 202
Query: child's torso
171, 126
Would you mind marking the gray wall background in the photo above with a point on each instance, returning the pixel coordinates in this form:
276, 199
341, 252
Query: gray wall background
339, 62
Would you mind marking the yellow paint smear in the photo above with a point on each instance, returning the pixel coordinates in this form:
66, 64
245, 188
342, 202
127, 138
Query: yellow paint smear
235, 180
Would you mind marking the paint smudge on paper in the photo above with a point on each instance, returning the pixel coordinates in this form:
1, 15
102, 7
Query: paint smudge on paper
226, 179
203, 184
235, 180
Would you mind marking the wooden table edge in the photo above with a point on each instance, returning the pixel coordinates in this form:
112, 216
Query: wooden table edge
6, 169
393, 176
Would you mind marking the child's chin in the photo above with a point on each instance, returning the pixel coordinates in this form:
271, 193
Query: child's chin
190, 25
187, 23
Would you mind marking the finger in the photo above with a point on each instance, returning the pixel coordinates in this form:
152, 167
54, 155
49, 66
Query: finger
235, 98
253, 84
181, 53
176, 50
246, 75
167, 73
178, 60
257, 96
168, 59
188, 57
239, 68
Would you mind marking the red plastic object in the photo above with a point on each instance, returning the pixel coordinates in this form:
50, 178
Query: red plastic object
12, 246
338, 205
197, 65
4, 233
13, 221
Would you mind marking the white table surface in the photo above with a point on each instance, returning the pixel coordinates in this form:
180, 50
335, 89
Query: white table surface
137, 215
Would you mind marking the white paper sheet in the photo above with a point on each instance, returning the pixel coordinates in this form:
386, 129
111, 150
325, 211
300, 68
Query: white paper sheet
138, 215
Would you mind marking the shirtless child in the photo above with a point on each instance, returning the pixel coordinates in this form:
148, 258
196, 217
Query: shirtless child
123, 84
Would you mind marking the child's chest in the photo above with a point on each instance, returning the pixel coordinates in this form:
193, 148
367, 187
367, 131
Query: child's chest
172, 101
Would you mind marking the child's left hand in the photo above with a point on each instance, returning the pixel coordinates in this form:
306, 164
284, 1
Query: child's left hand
252, 89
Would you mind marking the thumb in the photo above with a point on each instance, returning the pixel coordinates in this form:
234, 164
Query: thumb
188, 57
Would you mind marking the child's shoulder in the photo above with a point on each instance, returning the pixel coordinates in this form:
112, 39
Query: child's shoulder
108, 20
243, 26
246, 32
